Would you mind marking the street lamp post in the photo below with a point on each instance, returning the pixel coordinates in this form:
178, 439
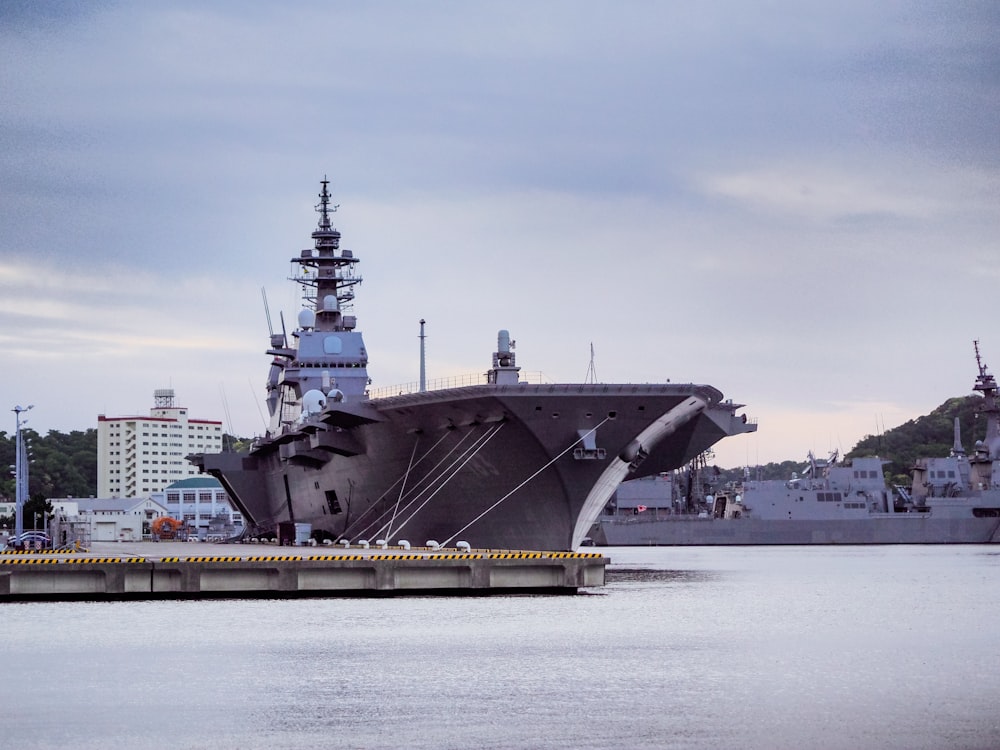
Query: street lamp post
20, 474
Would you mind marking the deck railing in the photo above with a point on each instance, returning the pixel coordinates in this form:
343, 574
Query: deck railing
456, 381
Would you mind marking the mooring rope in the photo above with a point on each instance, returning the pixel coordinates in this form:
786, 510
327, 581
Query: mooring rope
372, 507
428, 477
441, 478
427, 481
472, 454
448, 541
402, 487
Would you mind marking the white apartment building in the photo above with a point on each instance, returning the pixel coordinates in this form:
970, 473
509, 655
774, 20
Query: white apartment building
138, 456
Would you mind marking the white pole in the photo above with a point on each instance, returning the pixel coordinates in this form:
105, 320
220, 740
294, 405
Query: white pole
423, 371
20, 474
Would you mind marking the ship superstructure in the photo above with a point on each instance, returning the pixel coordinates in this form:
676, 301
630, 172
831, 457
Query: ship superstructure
959, 474
501, 464
327, 359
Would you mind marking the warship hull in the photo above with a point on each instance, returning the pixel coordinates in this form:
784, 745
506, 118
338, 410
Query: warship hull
518, 466
902, 528
951, 501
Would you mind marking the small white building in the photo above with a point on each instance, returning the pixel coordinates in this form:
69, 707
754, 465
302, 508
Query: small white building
107, 519
203, 505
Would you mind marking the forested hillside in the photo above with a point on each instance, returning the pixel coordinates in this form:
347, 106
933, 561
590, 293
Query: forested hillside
930, 435
61, 464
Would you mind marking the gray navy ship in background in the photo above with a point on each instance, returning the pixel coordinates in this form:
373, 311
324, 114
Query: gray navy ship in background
951, 500
503, 464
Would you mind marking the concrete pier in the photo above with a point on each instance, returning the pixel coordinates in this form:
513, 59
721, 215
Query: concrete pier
178, 570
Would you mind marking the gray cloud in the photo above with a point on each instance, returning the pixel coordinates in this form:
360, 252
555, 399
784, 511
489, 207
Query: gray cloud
794, 202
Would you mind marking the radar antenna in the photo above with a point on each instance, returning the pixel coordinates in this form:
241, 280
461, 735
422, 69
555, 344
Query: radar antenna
323, 207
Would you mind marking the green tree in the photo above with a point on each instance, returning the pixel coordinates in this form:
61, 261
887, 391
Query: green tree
8, 453
930, 435
37, 513
65, 465
60, 464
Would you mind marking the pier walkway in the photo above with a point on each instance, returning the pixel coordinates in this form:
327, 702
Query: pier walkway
163, 570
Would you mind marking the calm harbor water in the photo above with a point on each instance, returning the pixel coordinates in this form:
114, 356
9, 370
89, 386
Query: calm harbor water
831, 647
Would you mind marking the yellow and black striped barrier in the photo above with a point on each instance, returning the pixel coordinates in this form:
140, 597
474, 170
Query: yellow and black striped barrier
514, 555
37, 551
19, 558
456, 556
23, 561
74, 561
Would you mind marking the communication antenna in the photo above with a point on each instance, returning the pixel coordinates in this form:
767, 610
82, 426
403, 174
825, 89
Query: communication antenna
592, 370
267, 312
225, 408
253, 397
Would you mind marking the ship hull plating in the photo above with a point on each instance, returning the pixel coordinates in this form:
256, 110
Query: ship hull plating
511, 466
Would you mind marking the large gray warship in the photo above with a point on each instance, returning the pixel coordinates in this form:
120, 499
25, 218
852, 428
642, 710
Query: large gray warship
951, 500
500, 464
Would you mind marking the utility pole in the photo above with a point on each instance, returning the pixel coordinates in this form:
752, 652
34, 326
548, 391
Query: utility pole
20, 474
423, 355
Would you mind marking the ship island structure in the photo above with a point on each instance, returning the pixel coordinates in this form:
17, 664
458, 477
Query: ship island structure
504, 464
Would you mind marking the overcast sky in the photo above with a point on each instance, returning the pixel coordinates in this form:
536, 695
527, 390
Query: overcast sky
798, 203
